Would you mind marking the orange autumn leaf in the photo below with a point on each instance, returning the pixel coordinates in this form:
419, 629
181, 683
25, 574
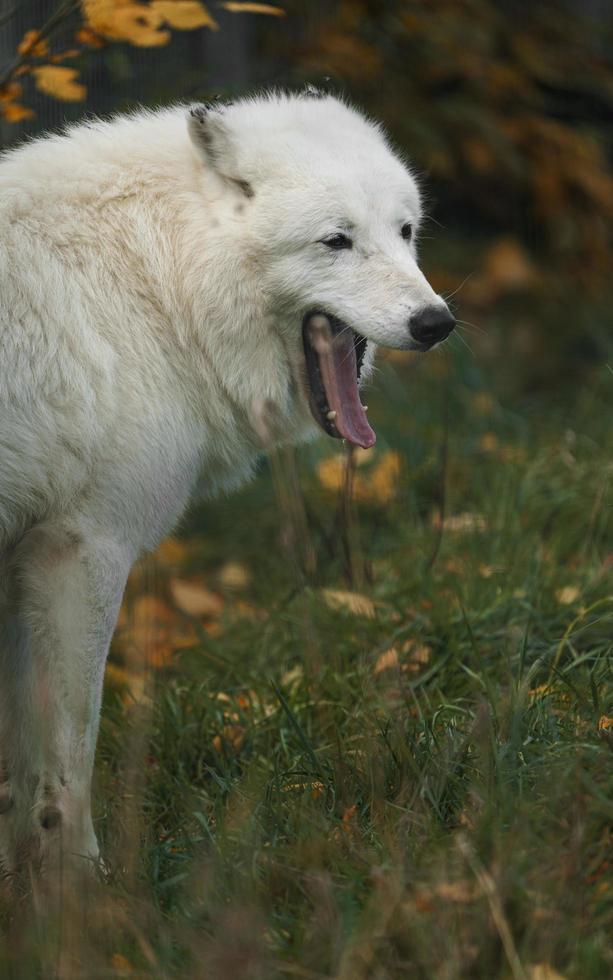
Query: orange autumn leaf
194, 599
386, 660
151, 632
378, 484
410, 659
460, 523
415, 656
134, 22
87, 37
60, 82
132, 685
121, 965
33, 46
542, 971
253, 8
56, 59
232, 736
234, 575
14, 112
184, 15
10, 91
348, 822
568, 595
171, 552
353, 602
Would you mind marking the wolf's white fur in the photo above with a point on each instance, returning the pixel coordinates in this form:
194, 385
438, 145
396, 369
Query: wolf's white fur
153, 279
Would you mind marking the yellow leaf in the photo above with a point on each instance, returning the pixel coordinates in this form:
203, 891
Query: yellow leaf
384, 479
330, 472
292, 678
378, 484
14, 112
254, 8
488, 442
232, 736
349, 813
59, 82
540, 689
567, 595
121, 965
86, 36
542, 971
33, 46
460, 522
386, 660
185, 15
134, 22
56, 59
483, 403
353, 602
10, 91
171, 552
133, 685
507, 266
416, 656
233, 575
461, 892
194, 599
605, 724
151, 632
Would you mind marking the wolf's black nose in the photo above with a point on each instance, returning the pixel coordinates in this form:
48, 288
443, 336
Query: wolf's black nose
431, 324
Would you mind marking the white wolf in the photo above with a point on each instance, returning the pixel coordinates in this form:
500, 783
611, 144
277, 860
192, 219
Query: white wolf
165, 279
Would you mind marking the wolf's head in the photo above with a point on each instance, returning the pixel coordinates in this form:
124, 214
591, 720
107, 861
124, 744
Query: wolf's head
330, 215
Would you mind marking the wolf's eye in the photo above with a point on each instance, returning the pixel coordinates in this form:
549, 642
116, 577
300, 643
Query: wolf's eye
338, 241
407, 231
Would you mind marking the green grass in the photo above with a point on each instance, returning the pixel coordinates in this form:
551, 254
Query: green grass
447, 817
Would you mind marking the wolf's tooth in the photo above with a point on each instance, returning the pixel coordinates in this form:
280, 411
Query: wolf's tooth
331, 416
365, 407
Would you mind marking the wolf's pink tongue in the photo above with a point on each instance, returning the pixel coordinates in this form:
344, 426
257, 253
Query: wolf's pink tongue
338, 367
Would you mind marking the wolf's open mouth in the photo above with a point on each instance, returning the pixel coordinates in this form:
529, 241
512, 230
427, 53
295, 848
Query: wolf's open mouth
334, 354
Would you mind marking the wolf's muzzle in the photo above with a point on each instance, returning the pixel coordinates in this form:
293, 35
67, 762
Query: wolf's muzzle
431, 325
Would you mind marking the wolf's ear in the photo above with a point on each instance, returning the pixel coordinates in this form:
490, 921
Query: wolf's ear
214, 141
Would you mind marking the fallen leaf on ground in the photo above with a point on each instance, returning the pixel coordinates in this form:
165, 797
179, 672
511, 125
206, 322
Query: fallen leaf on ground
316, 787
459, 522
605, 726
353, 602
194, 599
121, 965
540, 690
415, 656
456, 891
152, 632
379, 484
488, 443
292, 677
386, 660
233, 575
171, 552
542, 971
232, 736
568, 595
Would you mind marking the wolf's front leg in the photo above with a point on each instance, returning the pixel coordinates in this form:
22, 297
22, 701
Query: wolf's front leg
65, 585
